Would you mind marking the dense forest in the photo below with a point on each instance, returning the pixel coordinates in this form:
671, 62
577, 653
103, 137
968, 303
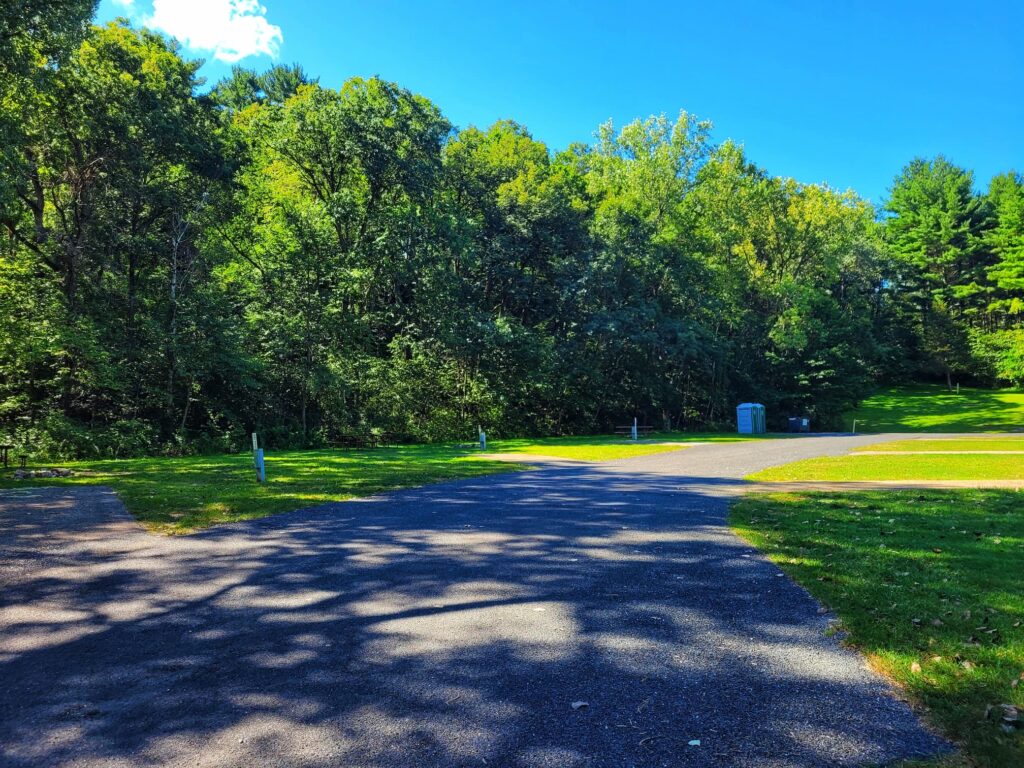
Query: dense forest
184, 262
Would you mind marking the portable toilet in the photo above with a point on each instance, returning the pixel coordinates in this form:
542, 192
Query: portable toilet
750, 419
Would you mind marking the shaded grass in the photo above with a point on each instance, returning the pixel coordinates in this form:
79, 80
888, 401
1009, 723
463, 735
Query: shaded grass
950, 445
933, 408
918, 579
909, 467
179, 495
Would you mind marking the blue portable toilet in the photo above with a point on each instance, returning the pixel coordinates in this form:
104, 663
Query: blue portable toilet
750, 419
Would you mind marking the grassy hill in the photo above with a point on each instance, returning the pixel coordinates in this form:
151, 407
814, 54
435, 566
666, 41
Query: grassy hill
933, 408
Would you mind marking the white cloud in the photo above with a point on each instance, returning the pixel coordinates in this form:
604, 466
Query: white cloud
230, 29
124, 3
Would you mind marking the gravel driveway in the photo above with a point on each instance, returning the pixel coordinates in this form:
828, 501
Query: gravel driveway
451, 625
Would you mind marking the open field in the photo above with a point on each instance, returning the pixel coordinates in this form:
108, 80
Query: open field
607, 448
949, 445
927, 584
933, 408
585, 448
178, 495
855, 466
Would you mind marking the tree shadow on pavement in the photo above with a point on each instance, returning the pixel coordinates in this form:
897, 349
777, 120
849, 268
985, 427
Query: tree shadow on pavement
451, 625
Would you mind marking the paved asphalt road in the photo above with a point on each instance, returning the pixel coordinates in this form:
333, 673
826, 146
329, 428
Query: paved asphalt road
451, 625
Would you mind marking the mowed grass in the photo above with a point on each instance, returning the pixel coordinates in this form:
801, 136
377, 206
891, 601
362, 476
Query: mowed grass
179, 495
949, 445
908, 467
933, 408
610, 447
584, 448
928, 585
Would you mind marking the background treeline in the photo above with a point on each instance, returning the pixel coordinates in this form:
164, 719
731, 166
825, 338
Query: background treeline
181, 265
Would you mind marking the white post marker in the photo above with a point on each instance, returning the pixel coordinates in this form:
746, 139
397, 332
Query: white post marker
634, 427
483, 440
254, 442
855, 426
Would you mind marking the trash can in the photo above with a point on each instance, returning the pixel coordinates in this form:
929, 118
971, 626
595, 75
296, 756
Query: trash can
799, 424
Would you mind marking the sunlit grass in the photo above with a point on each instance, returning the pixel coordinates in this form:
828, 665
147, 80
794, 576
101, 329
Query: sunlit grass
610, 447
907, 467
179, 495
585, 448
936, 409
949, 445
723, 437
927, 584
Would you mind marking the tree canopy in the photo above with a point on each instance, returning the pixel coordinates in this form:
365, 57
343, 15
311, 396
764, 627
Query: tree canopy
182, 266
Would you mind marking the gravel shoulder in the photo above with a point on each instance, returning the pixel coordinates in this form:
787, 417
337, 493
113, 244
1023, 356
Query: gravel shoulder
450, 625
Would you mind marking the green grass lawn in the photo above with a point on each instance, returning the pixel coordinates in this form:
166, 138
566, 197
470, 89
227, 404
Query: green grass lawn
935, 409
928, 584
723, 437
949, 445
179, 495
910, 467
609, 447
184, 494
584, 448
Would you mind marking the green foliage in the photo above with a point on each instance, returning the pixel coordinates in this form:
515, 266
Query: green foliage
39, 31
245, 87
959, 274
182, 495
932, 408
280, 256
1006, 239
36, 36
926, 584
122, 163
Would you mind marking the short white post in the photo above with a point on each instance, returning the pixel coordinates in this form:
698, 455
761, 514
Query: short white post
483, 438
634, 427
855, 426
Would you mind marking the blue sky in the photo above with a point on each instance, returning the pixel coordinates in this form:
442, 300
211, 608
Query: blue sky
838, 92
